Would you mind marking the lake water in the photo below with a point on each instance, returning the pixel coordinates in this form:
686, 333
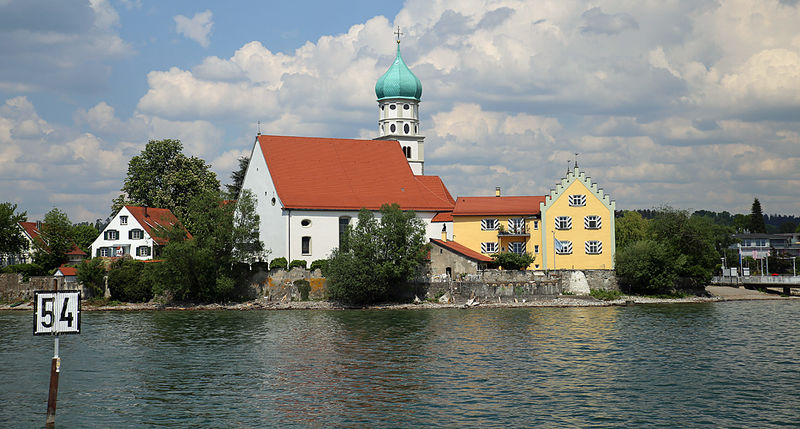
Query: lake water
728, 364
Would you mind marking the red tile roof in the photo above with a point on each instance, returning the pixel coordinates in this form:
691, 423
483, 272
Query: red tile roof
345, 174
76, 251
151, 218
68, 271
479, 206
33, 232
443, 217
463, 250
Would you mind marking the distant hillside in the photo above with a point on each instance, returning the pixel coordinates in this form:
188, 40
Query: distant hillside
776, 223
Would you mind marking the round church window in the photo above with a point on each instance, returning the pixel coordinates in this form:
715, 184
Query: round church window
392, 106
392, 128
406, 128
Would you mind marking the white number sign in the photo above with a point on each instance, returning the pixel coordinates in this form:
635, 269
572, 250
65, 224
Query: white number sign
57, 312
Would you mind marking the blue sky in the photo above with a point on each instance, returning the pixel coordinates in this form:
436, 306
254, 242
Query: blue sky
695, 104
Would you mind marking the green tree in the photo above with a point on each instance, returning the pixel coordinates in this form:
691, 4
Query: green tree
11, 238
757, 218
84, 235
162, 176
247, 245
91, 273
629, 228
238, 177
692, 237
128, 280
648, 267
56, 240
376, 257
513, 261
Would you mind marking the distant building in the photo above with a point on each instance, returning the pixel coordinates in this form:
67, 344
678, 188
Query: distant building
134, 232
760, 245
31, 232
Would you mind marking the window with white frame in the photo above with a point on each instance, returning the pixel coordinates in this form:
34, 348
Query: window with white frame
306, 246
517, 247
593, 247
489, 224
143, 251
592, 222
563, 247
563, 222
136, 234
577, 200
111, 234
123, 220
105, 251
489, 247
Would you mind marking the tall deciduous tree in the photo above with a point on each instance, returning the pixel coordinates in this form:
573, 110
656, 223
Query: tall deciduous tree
376, 256
84, 234
56, 239
11, 238
630, 228
757, 218
238, 177
162, 176
247, 245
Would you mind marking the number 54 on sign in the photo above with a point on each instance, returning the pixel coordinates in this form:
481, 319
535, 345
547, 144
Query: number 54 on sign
56, 312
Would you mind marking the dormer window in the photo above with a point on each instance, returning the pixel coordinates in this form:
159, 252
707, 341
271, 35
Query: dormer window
123, 220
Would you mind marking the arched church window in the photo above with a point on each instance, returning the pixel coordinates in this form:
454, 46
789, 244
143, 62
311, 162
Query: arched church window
406, 128
407, 151
415, 129
392, 128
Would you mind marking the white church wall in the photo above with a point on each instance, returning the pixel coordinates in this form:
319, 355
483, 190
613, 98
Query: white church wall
273, 226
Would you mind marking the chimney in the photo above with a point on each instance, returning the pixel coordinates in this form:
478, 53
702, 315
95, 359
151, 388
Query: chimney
444, 232
497, 191
39, 225
145, 212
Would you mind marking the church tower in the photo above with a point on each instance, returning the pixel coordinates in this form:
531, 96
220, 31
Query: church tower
399, 92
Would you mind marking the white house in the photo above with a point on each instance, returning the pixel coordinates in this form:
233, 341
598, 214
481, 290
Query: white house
30, 231
131, 232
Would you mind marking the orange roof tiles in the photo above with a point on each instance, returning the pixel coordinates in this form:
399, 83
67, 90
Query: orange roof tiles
68, 271
151, 218
463, 250
345, 174
33, 232
479, 206
443, 217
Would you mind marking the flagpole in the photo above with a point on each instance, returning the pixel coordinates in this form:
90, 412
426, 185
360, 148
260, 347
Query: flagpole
554, 250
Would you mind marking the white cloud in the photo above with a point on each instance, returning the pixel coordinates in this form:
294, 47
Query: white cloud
196, 28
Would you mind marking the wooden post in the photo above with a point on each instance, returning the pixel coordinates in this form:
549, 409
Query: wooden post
55, 369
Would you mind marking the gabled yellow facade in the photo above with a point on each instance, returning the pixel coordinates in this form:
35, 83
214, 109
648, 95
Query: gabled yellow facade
581, 217
576, 213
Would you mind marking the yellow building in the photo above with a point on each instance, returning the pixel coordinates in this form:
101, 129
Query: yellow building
577, 214
499, 224
578, 219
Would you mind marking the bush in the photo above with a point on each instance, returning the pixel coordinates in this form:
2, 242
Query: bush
91, 273
303, 287
513, 261
605, 295
648, 267
27, 270
300, 263
278, 263
322, 264
130, 280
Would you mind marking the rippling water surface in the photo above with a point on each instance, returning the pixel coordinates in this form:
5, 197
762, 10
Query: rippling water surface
732, 364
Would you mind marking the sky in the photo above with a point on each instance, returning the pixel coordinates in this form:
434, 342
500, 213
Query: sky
693, 104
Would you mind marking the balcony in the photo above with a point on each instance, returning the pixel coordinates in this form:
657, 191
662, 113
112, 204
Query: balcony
518, 231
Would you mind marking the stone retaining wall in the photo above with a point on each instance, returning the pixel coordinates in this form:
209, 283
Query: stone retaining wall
279, 284
12, 288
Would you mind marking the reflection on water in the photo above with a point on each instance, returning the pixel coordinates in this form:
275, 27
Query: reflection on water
706, 365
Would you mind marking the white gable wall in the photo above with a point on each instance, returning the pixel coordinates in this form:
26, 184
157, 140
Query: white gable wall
272, 231
127, 245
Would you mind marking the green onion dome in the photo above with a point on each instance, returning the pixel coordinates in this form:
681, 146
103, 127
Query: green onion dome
398, 82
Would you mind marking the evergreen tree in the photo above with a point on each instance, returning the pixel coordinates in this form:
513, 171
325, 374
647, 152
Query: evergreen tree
757, 218
238, 177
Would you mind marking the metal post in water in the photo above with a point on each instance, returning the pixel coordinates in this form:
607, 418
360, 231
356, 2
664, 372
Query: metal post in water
55, 369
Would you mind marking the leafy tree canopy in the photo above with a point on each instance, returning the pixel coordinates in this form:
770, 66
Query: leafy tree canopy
629, 228
162, 176
56, 240
513, 261
238, 177
11, 238
376, 257
84, 235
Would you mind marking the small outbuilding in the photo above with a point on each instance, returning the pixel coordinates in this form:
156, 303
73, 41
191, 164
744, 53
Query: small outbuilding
451, 259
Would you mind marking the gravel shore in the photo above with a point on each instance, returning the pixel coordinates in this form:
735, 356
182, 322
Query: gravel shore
716, 293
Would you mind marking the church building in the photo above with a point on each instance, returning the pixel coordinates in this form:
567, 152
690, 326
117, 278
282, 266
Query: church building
309, 189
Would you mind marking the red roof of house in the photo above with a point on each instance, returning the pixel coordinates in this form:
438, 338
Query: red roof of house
443, 217
346, 174
33, 232
151, 218
479, 206
463, 250
68, 271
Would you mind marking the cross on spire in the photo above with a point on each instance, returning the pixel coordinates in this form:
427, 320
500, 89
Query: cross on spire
398, 34
576, 159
